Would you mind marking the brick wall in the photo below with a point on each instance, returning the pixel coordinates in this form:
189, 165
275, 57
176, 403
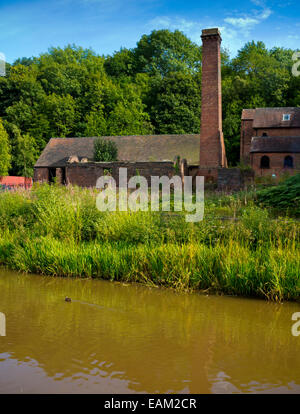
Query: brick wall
41, 175
86, 175
234, 178
276, 163
278, 132
247, 132
210, 174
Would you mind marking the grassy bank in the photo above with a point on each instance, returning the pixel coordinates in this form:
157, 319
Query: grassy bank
239, 247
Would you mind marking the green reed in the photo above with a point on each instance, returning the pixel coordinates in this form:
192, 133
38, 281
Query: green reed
238, 249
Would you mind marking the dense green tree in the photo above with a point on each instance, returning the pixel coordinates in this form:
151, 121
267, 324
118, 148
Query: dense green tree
25, 154
4, 151
121, 63
161, 52
128, 116
95, 123
267, 76
61, 114
174, 103
154, 87
24, 61
164, 52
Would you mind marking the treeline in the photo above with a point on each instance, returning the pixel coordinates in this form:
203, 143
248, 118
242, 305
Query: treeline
152, 88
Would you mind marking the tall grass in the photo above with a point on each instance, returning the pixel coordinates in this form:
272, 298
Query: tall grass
286, 195
237, 249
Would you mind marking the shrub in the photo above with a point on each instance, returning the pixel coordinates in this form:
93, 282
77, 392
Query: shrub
283, 196
105, 150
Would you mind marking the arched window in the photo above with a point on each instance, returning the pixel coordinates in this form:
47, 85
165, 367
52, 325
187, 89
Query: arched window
288, 162
265, 162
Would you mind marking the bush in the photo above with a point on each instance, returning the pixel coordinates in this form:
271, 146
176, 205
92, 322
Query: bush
105, 150
283, 196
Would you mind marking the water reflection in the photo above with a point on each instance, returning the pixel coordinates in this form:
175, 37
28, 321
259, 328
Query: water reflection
127, 339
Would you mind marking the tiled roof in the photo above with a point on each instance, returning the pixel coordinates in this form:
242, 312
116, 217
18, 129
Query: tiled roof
248, 114
275, 144
130, 148
272, 118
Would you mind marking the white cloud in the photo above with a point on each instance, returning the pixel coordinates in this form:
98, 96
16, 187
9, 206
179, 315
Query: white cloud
246, 23
265, 14
234, 29
241, 22
174, 23
191, 28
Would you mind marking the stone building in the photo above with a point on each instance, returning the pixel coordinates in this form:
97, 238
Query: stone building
270, 140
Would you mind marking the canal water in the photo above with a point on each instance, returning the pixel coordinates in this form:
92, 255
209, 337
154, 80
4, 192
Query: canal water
114, 338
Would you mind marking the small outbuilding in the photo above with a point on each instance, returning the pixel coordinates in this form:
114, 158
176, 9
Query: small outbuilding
71, 160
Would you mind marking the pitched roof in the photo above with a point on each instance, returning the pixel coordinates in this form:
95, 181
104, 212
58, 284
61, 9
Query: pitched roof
275, 144
248, 114
130, 148
272, 118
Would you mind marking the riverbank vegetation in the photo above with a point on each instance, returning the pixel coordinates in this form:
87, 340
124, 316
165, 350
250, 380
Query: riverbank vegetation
284, 196
240, 248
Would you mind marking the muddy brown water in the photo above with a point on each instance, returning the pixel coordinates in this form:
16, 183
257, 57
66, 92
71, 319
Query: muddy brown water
130, 339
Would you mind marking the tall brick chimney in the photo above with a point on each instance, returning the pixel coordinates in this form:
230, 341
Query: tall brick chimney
212, 148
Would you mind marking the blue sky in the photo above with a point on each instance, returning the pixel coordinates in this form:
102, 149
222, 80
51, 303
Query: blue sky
28, 28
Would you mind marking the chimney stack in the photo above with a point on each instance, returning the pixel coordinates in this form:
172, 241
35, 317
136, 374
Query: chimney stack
212, 148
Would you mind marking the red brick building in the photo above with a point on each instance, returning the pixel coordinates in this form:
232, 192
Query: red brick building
270, 140
70, 160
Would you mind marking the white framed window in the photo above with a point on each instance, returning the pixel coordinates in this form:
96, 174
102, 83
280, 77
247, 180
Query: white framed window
286, 117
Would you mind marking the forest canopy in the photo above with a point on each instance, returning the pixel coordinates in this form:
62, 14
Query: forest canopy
154, 88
